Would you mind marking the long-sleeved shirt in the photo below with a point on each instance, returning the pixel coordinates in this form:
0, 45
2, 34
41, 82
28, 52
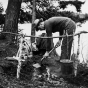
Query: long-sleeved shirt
57, 24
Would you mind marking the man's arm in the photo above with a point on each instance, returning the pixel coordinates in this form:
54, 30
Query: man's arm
49, 44
48, 29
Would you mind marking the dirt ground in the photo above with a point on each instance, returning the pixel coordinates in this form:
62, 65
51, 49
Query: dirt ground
8, 75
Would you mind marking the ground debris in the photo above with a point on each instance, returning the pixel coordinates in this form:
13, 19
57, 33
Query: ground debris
8, 80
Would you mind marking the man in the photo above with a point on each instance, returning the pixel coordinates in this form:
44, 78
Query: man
58, 24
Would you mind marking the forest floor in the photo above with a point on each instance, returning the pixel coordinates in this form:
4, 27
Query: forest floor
8, 75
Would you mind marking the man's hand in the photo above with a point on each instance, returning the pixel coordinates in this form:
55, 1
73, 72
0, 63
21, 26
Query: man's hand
46, 54
58, 44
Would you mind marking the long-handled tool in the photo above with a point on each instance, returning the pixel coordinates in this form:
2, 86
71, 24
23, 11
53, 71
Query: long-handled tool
57, 45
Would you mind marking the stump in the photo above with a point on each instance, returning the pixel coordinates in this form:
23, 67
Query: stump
66, 67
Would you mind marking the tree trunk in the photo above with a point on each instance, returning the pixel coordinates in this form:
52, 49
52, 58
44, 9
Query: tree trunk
33, 18
11, 19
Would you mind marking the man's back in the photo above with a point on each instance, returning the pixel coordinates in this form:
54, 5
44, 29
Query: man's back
56, 24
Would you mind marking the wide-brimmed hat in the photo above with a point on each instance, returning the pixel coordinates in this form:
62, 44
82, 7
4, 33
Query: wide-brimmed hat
37, 22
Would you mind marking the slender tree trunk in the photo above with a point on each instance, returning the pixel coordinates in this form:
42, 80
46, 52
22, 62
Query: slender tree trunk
33, 18
11, 19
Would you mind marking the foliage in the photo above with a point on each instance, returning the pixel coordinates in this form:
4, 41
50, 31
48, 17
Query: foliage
61, 4
77, 4
74, 16
45, 10
24, 16
1, 8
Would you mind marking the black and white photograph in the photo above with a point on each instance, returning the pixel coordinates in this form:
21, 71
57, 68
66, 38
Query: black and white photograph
43, 44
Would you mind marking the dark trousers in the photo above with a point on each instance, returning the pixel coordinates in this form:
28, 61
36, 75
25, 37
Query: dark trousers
67, 41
